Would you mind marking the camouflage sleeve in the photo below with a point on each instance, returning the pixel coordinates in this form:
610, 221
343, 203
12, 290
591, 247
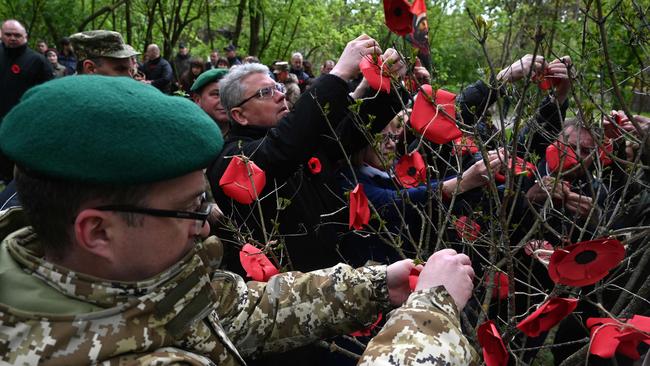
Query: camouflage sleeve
295, 308
424, 331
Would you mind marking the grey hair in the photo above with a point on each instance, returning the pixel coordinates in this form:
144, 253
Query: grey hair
297, 54
231, 89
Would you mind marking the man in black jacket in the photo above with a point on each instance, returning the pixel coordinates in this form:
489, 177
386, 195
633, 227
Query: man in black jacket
20, 69
301, 210
157, 70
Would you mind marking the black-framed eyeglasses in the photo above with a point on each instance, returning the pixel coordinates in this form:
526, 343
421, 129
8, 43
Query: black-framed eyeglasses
265, 93
200, 215
392, 137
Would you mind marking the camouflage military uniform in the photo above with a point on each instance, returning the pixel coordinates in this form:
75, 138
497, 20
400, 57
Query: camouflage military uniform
189, 314
193, 315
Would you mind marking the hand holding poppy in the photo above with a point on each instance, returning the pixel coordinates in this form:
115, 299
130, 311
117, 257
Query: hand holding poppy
559, 71
348, 65
477, 175
397, 280
578, 204
521, 68
453, 271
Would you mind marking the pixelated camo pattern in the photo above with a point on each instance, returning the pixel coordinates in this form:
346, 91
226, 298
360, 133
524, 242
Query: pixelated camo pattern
191, 314
425, 331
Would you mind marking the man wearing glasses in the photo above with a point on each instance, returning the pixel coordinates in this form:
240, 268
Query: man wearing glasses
113, 267
312, 210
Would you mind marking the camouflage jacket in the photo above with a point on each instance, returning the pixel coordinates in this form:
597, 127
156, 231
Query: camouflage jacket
190, 314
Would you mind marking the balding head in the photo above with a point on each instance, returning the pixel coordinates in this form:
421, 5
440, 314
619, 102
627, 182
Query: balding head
153, 51
13, 34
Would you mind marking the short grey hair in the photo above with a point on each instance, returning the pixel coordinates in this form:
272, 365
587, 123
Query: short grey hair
231, 89
297, 55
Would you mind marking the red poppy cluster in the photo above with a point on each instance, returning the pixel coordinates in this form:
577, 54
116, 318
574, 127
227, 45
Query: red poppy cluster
501, 285
243, 180
585, 263
314, 165
256, 264
558, 152
399, 16
367, 332
610, 336
359, 210
494, 351
411, 170
548, 315
376, 73
467, 228
428, 120
464, 145
522, 167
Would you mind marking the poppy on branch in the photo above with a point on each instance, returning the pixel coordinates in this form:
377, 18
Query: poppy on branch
434, 115
359, 210
243, 180
411, 170
256, 264
494, 351
548, 315
585, 263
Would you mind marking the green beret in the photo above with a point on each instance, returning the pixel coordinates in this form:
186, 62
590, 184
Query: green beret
111, 130
208, 77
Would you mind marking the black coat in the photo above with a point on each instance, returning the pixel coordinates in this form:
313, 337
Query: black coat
159, 71
316, 213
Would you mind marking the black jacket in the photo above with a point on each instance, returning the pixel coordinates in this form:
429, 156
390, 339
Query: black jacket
20, 69
315, 212
159, 71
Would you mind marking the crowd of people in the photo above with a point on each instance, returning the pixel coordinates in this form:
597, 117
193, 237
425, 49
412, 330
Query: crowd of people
132, 186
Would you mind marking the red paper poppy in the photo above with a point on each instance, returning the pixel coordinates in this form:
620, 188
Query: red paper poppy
609, 336
464, 145
242, 181
399, 17
359, 210
547, 316
467, 228
585, 263
604, 152
413, 278
501, 285
611, 130
15, 69
367, 332
522, 167
257, 265
314, 165
376, 73
545, 81
534, 245
494, 351
557, 151
432, 123
411, 170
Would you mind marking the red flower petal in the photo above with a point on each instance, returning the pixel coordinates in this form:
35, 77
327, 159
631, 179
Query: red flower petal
547, 316
399, 17
257, 265
494, 351
15, 69
366, 332
434, 124
585, 263
242, 181
501, 285
359, 210
555, 152
411, 170
314, 165
467, 228
604, 151
376, 73
413, 278
609, 336
464, 145
521, 167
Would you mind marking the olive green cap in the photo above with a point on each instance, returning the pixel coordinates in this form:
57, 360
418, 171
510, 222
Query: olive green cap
100, 43
110, 130
208, 77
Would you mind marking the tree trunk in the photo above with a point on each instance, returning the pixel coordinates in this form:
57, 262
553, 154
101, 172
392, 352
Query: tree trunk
255, 22
127, 19
238, 23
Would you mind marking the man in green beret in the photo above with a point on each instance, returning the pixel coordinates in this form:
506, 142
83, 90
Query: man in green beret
102, 52
205, 93
114, 266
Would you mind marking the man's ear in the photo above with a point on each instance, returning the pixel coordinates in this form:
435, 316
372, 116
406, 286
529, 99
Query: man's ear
238, 116
92, 232
196, 97
89, 67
